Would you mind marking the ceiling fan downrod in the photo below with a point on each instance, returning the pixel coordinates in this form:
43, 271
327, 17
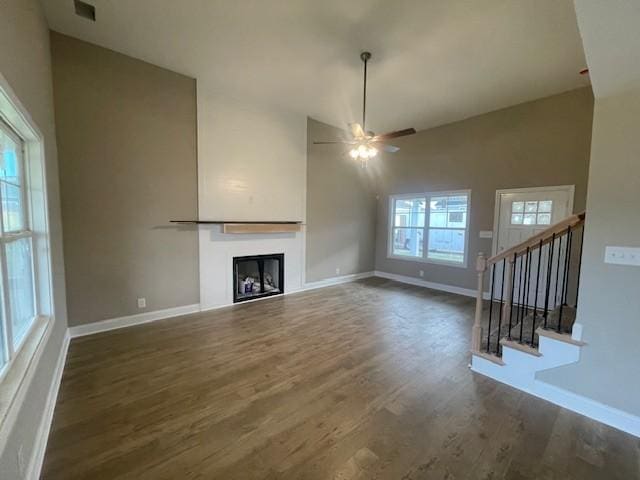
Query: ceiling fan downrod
365, 57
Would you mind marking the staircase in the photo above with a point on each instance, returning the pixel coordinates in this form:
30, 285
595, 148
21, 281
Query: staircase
528, 323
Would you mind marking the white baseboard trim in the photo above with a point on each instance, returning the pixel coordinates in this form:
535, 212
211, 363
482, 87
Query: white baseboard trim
130, 320
519, 371
37, 458
336, 280
146, 317
432, 285
589, 408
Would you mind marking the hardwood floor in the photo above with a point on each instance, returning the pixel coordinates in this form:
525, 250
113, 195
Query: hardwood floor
366, 380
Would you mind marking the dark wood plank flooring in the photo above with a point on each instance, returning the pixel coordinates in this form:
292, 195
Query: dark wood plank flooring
366, 380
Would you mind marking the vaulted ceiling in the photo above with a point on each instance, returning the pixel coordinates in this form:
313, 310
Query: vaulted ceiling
434, 61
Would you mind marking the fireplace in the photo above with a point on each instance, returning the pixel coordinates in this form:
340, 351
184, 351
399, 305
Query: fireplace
258, 276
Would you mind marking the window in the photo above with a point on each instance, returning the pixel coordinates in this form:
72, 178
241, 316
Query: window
531, 212
408, 226
430, 227
17, 308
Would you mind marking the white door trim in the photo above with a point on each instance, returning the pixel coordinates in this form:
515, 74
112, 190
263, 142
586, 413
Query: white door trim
570, 189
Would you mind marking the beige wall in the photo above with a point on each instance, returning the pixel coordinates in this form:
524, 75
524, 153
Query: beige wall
25, 63
609, 302
540, 143
341, 209
609, 367
127, 147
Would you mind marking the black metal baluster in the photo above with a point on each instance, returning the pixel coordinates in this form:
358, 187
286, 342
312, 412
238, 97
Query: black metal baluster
565, 279
525, 286
555, 296
549, 268
579, 265
519, 299
493, 282
535, 302
513, 287
504, 267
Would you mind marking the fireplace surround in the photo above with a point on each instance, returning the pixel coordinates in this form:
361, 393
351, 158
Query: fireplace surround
257, 276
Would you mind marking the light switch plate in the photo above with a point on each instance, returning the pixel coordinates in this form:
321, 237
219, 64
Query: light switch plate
486, 234
622, 256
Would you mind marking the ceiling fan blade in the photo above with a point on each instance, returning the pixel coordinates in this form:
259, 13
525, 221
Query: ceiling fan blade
356, 130
332, 143
396, 134
386, 148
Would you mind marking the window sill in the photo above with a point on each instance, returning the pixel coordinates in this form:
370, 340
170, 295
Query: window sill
17, 374
427, 261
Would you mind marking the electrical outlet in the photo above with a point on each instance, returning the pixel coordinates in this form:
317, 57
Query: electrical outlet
142, 302
421, 272
20, 461
338, 271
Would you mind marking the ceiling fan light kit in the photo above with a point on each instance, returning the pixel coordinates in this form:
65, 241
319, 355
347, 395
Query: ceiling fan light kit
366, 144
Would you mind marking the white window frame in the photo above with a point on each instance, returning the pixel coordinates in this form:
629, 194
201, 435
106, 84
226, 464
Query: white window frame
11, 350
17, 374
425, 237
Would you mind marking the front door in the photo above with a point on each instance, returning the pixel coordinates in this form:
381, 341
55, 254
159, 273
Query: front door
522, 214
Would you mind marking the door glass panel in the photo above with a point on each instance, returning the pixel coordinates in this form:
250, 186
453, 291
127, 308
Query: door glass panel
544, 219
517, 207
20, 283
531, 207
529, 219
516, 219
545, 206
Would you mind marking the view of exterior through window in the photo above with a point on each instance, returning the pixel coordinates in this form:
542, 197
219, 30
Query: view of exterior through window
445, 221
531, 212
17, 309
408, 227
447, 228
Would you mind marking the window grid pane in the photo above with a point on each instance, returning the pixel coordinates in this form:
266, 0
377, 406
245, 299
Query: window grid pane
20, 286
12, 207
408, 242
409, 212
446, 245
4, 355
448, 223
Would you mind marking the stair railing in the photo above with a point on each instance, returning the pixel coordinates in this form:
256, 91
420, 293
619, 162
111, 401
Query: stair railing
533, 287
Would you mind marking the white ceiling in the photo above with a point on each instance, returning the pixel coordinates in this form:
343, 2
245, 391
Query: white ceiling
434, 61
612, 40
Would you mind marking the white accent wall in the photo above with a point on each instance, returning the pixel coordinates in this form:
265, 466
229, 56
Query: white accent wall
251, 167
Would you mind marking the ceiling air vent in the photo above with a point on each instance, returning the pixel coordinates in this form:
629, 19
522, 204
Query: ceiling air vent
85, 10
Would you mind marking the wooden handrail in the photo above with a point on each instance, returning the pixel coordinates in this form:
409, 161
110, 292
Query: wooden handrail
545, 236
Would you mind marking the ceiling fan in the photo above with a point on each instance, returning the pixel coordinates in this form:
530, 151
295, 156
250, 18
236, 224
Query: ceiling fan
366, 144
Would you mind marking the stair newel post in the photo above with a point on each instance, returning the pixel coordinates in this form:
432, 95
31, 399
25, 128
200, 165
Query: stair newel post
476, 333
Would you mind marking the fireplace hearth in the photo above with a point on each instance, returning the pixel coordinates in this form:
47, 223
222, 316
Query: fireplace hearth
257, 276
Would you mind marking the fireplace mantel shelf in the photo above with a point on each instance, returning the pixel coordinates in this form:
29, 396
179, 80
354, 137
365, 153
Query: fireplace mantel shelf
249, 226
